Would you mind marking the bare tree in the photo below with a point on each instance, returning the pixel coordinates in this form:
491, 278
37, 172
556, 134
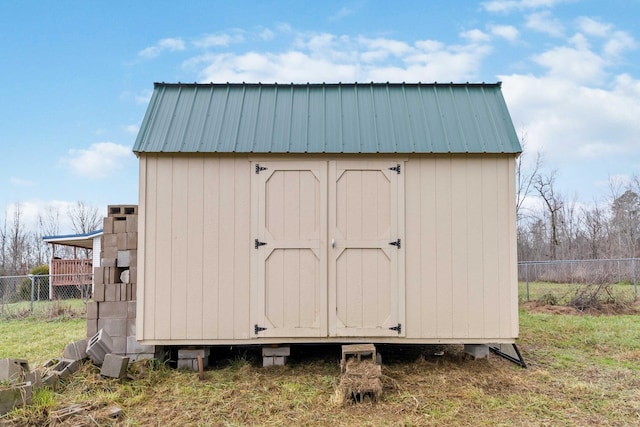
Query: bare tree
84, 218
594, 224
16, 248
525, 175
544, 185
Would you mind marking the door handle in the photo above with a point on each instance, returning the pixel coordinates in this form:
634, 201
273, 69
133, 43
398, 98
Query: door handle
333, 243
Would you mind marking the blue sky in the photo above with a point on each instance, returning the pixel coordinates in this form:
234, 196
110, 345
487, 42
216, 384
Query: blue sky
76, 77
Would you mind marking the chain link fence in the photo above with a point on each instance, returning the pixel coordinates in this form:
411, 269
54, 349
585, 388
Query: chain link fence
558, 281
21, 296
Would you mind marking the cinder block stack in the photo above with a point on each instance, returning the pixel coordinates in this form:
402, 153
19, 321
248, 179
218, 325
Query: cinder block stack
114, 296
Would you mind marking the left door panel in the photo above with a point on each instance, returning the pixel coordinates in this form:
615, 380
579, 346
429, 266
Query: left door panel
289, 297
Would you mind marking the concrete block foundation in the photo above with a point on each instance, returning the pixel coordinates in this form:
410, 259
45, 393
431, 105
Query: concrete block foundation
477, 351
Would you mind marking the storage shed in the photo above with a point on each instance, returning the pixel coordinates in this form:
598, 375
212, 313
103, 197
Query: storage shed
308, 213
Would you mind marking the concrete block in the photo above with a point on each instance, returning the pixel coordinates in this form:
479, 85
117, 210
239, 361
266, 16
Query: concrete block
107, 225
477, 351
284, 350
120, 210
133, 274
76, 350
51, 379
133, 357
110, 252
132, 224
35, 378
110, 292
133, 346
92, 310
131, 309
193, 353
107, 261
124, 258
92, 327
64, 368
98, 291
119, 345
274, 361
114, 327
131, 328
98, 276
123, 290
127, 241
99, 346
15, 396
113, 310
119, 225
114, 366
13, 370
110, 241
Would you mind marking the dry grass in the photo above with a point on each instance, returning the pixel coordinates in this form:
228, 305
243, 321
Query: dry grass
583, 370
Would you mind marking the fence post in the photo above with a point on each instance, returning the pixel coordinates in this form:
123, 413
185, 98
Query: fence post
526, 275
33, 288
635, 278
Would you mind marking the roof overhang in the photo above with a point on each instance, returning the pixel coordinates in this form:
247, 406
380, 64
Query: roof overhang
74, 240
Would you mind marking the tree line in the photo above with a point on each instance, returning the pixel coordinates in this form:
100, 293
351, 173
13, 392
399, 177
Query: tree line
21, 246
561, 228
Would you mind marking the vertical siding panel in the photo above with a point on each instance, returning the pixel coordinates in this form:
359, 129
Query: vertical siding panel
475, 242
195, 265
490, 217
444, 297
146, 250
513, 250
179, 246
459, 244
414, 236
226, 266
242, 245
162, 310
210, 255
428, 247
508, 264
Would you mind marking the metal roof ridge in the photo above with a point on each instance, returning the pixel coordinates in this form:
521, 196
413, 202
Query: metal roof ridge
355, 83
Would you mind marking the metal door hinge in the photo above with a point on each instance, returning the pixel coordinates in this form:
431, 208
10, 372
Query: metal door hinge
397, 328
257, 329
259, 243
396, 243
396, 168
260, 168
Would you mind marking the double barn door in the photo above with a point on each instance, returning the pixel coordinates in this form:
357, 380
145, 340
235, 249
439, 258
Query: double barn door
327, 249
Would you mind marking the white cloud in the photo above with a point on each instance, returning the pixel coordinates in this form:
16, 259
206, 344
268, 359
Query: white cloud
593, 27
168, 44
475, 36
577, 64
507, 32
342, 13
217, 40
505, 6
98, 161
619, 42
575, 121
331, 58
21, 182
132, 129
544, 22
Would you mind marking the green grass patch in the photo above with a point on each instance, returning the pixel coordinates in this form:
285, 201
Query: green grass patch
583, 370
38, 340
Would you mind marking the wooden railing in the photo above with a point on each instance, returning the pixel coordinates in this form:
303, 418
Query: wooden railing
71, 272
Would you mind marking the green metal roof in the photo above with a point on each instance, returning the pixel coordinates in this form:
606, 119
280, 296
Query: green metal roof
327, 118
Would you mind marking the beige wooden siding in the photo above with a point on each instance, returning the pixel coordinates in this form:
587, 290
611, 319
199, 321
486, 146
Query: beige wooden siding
460, 258
194, 230
455, 278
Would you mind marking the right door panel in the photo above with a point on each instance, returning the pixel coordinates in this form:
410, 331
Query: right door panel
364, 275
